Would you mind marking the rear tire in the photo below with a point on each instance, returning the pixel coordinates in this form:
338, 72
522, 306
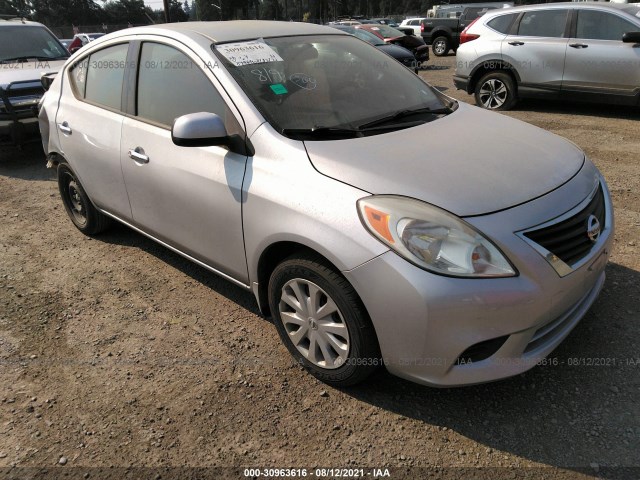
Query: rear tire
322, 321
441, 46
496, 91
81, 211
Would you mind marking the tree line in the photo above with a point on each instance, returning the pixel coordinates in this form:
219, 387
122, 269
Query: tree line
57, 13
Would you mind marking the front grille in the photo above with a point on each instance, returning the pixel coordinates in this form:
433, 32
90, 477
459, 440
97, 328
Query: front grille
568, 239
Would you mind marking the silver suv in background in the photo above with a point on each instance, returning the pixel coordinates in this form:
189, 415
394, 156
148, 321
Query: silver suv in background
27, 50
580, 51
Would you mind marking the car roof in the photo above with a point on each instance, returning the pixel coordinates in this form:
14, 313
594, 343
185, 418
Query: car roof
573, 5
235, 30
5, 22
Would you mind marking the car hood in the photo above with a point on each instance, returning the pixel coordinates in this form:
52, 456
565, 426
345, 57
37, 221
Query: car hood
19, 72
470, 162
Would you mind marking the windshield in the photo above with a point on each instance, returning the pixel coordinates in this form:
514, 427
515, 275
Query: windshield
330, 84
24, 43
387, 31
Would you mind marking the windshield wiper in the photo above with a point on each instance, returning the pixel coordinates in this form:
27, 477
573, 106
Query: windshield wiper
26, 58
340, 132
406, 113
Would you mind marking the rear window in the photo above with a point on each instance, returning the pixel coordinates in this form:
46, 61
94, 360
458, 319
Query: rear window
502, 23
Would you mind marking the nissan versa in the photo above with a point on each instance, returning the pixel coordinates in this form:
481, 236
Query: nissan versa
269, 153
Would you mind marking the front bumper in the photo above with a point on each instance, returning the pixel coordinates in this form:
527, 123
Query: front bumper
461, 83
19, 112
427, 325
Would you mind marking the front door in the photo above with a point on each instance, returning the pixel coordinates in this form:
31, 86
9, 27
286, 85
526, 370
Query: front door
187, 197
598, 61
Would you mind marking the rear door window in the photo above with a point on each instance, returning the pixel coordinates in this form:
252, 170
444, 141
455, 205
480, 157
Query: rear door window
104, 76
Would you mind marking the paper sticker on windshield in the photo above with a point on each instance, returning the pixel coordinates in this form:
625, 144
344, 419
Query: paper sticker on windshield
248, 53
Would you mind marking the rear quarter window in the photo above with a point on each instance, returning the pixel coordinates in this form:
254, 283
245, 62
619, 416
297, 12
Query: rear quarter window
502, 24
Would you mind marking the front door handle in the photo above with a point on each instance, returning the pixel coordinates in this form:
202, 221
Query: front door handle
578, 45
138, 155
516, 44
65, 128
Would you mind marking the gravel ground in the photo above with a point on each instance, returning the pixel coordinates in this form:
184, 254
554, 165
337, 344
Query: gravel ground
115, 352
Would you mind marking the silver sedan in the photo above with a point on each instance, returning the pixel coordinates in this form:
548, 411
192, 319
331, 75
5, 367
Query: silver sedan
305, 166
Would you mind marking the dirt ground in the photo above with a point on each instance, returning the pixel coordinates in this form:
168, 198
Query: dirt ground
115, 352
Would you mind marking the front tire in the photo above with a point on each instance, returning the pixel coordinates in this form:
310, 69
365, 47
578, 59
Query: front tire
81, 211
441, 46
496, 91
322, 321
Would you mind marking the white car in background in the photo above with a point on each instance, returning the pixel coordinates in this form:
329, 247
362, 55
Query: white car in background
413, 23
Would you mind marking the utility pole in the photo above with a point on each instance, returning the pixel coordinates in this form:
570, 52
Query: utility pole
167, 17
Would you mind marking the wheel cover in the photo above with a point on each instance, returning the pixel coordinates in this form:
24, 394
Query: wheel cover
75, 201
314, 324
493, 94
439, 46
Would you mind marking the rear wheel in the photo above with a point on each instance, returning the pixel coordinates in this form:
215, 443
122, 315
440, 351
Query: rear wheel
496, 91
81, 211
441, 46
322, 321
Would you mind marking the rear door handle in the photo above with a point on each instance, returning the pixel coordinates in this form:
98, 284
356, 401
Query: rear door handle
516, 44
578, 45
138, 155
65, 128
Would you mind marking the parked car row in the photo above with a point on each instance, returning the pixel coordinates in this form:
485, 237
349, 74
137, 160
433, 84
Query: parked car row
400, 53
396, 37
579, 51
267, 152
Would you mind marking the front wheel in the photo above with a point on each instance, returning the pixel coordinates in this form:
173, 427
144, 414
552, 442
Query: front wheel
441, 46
496, 91
322, 321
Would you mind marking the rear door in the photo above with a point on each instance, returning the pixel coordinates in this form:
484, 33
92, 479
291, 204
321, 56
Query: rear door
598, 62
89, 122
536, 48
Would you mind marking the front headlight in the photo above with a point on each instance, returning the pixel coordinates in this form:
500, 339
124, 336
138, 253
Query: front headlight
432, 238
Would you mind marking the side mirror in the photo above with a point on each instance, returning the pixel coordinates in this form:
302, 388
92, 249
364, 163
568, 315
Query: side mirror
46, 79
199, 130
205, 129
631, 37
